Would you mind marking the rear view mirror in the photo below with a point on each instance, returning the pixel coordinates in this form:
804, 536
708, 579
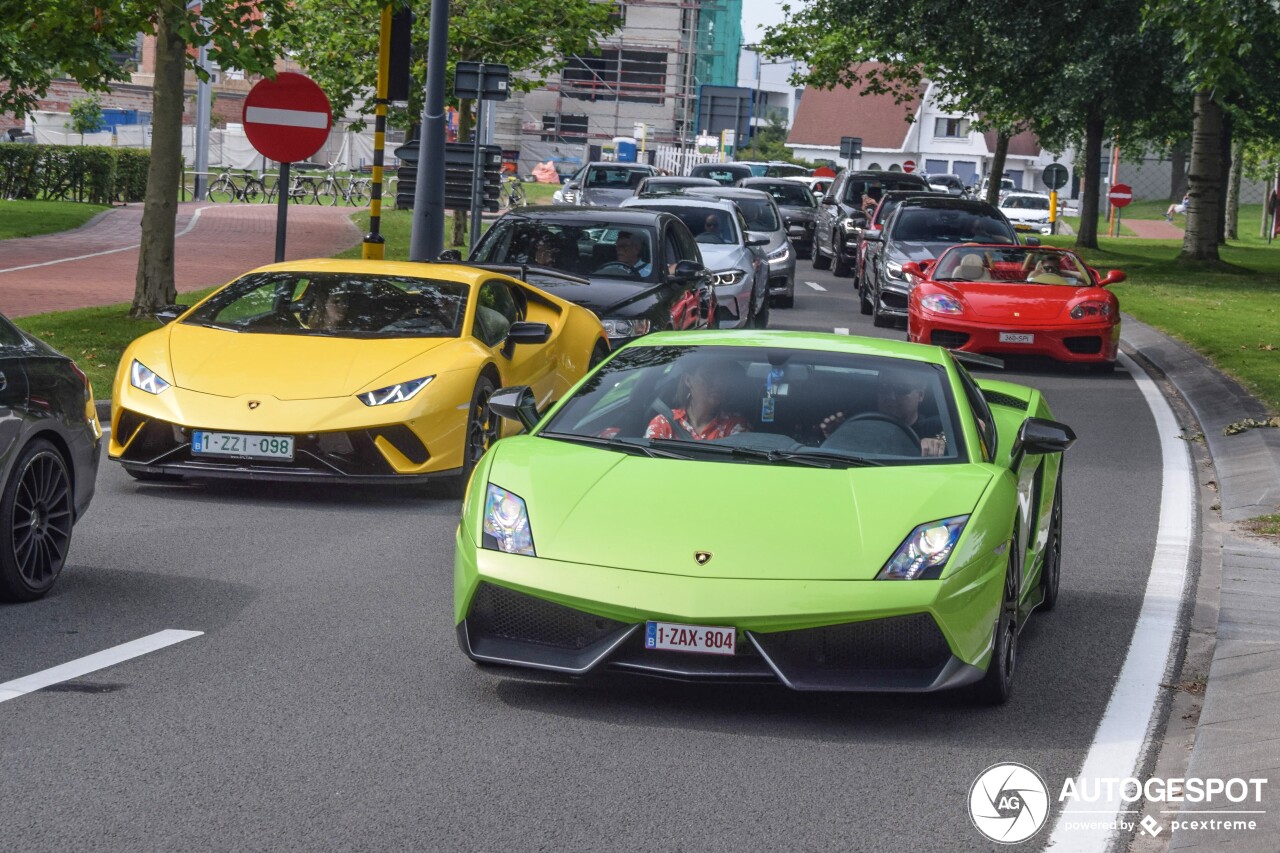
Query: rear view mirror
913, 268
1040, 435
449, 256
515, 404
528, 333
826, 199
169, 313
1113, 277
758, 241
686, 272
1031, 241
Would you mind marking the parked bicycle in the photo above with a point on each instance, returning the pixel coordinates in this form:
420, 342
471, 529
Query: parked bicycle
511, 193
333, 189
302, 189
224, 187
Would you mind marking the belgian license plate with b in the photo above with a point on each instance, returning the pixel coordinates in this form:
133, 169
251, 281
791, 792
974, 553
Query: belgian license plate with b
700, 639
241, 445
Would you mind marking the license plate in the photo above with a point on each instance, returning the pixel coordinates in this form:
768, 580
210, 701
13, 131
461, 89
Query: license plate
1022, 226
690, 638
241, 445
1017, 338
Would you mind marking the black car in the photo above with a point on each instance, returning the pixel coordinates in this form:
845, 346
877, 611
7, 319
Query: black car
798, 207
639, 270
725, 174
50, 443
665, 185
919, 230
843, 211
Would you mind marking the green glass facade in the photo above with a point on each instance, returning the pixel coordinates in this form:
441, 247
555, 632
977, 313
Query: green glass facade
719, 38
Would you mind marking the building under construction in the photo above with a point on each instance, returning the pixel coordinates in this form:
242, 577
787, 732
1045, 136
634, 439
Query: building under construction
647, 73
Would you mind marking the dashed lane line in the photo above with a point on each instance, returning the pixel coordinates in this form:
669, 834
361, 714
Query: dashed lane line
93, 663
816, 286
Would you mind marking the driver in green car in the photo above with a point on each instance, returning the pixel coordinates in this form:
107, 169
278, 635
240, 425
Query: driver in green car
899, 395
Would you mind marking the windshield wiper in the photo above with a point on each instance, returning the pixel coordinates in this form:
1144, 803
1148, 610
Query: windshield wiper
623, 444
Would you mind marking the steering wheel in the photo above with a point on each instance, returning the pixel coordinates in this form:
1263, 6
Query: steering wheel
619, 266
889, 419
835, 439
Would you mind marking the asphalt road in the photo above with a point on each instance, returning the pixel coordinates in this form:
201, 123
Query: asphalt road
327, 706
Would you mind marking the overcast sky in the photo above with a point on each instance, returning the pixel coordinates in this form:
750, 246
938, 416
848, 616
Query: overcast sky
757, 14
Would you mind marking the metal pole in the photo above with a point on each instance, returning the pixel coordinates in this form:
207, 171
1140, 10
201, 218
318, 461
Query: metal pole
204, 109
282, 210
373, 245
426, 239
477, 175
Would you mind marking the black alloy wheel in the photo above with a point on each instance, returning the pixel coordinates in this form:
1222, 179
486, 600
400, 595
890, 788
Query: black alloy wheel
864, 304
36, 514
482, 430
996, 686
820, 261
843, 266
1051, 573
879, 319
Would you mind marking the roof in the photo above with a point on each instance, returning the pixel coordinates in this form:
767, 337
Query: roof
674, 201
726, 192
1025, 144
825, 115
951, 202
565, 213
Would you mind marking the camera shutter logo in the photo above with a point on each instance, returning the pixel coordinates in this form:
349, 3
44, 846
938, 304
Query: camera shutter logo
1008, 803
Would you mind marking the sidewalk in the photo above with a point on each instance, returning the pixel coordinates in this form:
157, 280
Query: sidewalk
1153, 229
1238, 733
97, 264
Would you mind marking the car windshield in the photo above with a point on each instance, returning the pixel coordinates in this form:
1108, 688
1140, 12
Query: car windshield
1012, 265
948, 225
788, 194
949, 181
614, 177
1026, 202
759, 214
765, 404
337, 304
856, 190
592, 249
724, 176
785, 170
708, 224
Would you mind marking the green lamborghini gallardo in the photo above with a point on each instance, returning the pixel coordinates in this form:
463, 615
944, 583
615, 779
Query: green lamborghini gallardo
822, 511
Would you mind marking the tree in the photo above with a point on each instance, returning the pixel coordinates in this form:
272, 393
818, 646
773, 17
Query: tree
86, 115
78, 40
339, 48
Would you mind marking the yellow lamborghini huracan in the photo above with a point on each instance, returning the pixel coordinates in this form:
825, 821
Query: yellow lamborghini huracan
371, 371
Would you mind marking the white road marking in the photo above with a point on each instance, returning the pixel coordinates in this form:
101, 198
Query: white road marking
286, 118
841, 331
195, 217
1122, 736
93, 663
816, 286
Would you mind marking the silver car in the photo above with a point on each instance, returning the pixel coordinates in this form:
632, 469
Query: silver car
603, 184
764, 222
734, 257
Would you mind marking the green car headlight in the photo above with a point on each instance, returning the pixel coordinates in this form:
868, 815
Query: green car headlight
924, 553
145, 379
506, 523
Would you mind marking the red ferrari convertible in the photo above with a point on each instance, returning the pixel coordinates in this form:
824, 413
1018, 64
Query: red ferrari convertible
1013, 300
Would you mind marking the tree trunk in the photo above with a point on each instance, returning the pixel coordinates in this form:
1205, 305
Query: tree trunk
1178, 176
997, 167
154, 287
1225, 146
1232, 231
1200, 241
460, 216
1087, 235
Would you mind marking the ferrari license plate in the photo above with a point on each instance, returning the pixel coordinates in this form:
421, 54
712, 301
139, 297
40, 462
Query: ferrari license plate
690, 638
241, 445
1017, 338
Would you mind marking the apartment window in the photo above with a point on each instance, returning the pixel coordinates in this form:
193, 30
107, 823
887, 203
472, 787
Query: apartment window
565, 127
951, 128
639, 76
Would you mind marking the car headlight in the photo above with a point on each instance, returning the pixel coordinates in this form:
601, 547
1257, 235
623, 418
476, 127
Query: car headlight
625, 328
727, 278
940, 304
1083, 311
145, 379
557, 196
781, 253
924, 553
894, 269
397, 393
506, 523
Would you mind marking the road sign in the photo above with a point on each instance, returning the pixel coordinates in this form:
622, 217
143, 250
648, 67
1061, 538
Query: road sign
485, 80
1120, 195
287, 119
909, 166
850, 147
1055, 176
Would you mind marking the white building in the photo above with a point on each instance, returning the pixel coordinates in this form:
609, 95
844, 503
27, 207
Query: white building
917, 132
776, 95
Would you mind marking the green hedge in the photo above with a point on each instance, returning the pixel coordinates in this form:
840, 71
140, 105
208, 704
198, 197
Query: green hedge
86, 173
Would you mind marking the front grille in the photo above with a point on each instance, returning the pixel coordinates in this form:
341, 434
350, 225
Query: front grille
503, 613
899, 643
948, 339
1086, 345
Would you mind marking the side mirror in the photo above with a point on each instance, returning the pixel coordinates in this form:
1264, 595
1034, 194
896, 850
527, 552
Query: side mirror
1113, 277
858, 218
871, 235
686, 272
826, 199
819, 196
169, 313
757, 241
1040, 435
528, 333
450, 256
913, 268
515, 404
1031, 241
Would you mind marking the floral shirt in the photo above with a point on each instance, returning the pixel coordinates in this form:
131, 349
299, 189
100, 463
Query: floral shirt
720, 427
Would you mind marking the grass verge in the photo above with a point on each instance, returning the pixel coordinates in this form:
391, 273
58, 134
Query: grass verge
22, 218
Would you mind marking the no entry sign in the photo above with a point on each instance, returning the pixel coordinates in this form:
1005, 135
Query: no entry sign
288, 118
1120, 195
909, 166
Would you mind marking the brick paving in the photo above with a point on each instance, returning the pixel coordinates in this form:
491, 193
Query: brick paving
1153, 229
97, 264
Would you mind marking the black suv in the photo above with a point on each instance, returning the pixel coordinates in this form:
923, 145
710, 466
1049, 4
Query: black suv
919, 229
639, 270
843, 212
